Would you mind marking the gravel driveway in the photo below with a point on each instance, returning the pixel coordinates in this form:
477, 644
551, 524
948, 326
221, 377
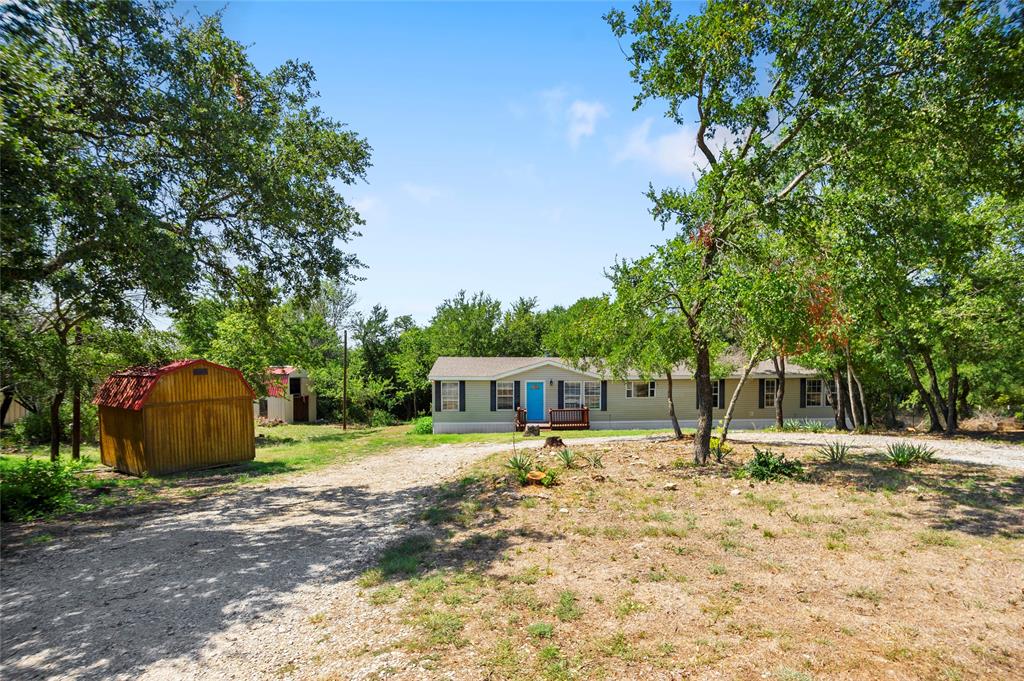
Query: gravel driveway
964, 451
222, 587
232, 586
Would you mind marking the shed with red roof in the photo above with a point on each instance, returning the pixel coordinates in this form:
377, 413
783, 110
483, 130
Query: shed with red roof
180, 416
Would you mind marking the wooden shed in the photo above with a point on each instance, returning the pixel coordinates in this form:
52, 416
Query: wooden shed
184, 415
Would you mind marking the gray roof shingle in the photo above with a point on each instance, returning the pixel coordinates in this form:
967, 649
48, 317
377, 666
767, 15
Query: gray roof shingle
482, 368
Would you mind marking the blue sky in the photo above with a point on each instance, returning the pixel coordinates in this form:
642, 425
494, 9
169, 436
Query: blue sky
506, 156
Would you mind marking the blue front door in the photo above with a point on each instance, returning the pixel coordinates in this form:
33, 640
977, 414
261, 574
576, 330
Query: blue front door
535, 401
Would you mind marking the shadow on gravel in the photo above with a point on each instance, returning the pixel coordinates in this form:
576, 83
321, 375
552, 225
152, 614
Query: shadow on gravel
112, 599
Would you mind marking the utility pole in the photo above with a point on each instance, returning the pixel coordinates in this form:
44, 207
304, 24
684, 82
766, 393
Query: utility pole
344, 386
76, 408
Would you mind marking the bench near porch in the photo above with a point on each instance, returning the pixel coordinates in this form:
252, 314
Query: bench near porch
574, 418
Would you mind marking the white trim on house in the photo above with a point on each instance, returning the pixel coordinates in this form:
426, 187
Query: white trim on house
507, 427
458, 396
652, 390
512, 387
545, 363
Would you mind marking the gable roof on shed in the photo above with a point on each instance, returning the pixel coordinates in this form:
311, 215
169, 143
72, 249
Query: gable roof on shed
129, 388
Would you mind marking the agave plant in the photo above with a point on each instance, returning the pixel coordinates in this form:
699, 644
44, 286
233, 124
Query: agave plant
520, 463
834, 452
904, 454
567, 457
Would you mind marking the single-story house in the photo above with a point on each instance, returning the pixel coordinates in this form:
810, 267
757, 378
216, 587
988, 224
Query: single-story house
485, 395
290, 397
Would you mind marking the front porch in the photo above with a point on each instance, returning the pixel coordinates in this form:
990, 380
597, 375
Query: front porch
572, 418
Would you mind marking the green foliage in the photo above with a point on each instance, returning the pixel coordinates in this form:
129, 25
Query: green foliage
594, 460
540, 630
37, 487
568, 608
904, 454
720, 450
520, 464
834, 452
34, 428
567, 457
767, 465
424, 425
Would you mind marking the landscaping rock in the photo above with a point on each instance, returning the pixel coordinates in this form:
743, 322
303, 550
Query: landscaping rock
531, 430
670, 486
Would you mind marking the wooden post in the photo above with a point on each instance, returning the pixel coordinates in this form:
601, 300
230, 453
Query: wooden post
76, 409
344, 386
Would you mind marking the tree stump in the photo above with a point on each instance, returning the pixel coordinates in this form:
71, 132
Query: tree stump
554, 441
531, 430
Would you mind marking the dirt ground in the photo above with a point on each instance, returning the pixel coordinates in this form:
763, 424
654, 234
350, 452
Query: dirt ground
431, 564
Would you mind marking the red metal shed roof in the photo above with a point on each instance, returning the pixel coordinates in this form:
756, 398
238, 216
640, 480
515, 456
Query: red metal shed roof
128, 389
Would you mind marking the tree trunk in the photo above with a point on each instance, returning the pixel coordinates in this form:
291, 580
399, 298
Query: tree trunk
849, 389
415, 409
838, 402
963, 408
724, 433
702, 440
76, 424
58, 399
780, 388
933, 378
672, 407
935, 425
954, 387
865, 416
5, 406
890, 411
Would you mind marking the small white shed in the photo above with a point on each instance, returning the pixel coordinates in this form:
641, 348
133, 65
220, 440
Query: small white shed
290, 397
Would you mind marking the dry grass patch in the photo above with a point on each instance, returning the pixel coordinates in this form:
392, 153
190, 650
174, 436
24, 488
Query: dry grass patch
858, 571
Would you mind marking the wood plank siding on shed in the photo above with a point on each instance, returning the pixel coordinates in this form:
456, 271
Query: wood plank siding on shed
197, 415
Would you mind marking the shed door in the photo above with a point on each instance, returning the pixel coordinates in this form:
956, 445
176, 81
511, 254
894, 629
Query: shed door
300, 409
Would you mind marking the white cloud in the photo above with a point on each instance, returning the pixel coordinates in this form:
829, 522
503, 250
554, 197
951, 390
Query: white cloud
369, 207
421, 193
583, 117
674, 153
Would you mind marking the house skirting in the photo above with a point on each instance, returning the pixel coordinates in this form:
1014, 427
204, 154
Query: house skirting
506, 426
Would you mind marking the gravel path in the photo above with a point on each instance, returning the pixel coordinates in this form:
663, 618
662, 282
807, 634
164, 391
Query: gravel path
964, 451
224, 587
233, 586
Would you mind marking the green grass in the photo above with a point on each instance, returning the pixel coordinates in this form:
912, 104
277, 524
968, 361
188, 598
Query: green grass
293, 448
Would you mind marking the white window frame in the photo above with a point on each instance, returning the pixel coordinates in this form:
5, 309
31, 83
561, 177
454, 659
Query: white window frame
578, 397
510, 388
820, 391
631, 390
458, 404
592, 400
769, 392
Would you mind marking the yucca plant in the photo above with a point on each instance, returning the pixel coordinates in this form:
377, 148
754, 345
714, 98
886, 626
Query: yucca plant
520, 464
834, 452
904, 454
594, 460
567, 457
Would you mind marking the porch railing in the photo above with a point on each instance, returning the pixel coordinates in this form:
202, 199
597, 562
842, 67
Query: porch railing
576, 418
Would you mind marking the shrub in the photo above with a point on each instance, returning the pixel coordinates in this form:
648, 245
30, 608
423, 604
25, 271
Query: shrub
720, 450
424, 425
904, 454
834, 452
34, 427
381, 418
520, 465
550, 478
37, 487
767, 465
